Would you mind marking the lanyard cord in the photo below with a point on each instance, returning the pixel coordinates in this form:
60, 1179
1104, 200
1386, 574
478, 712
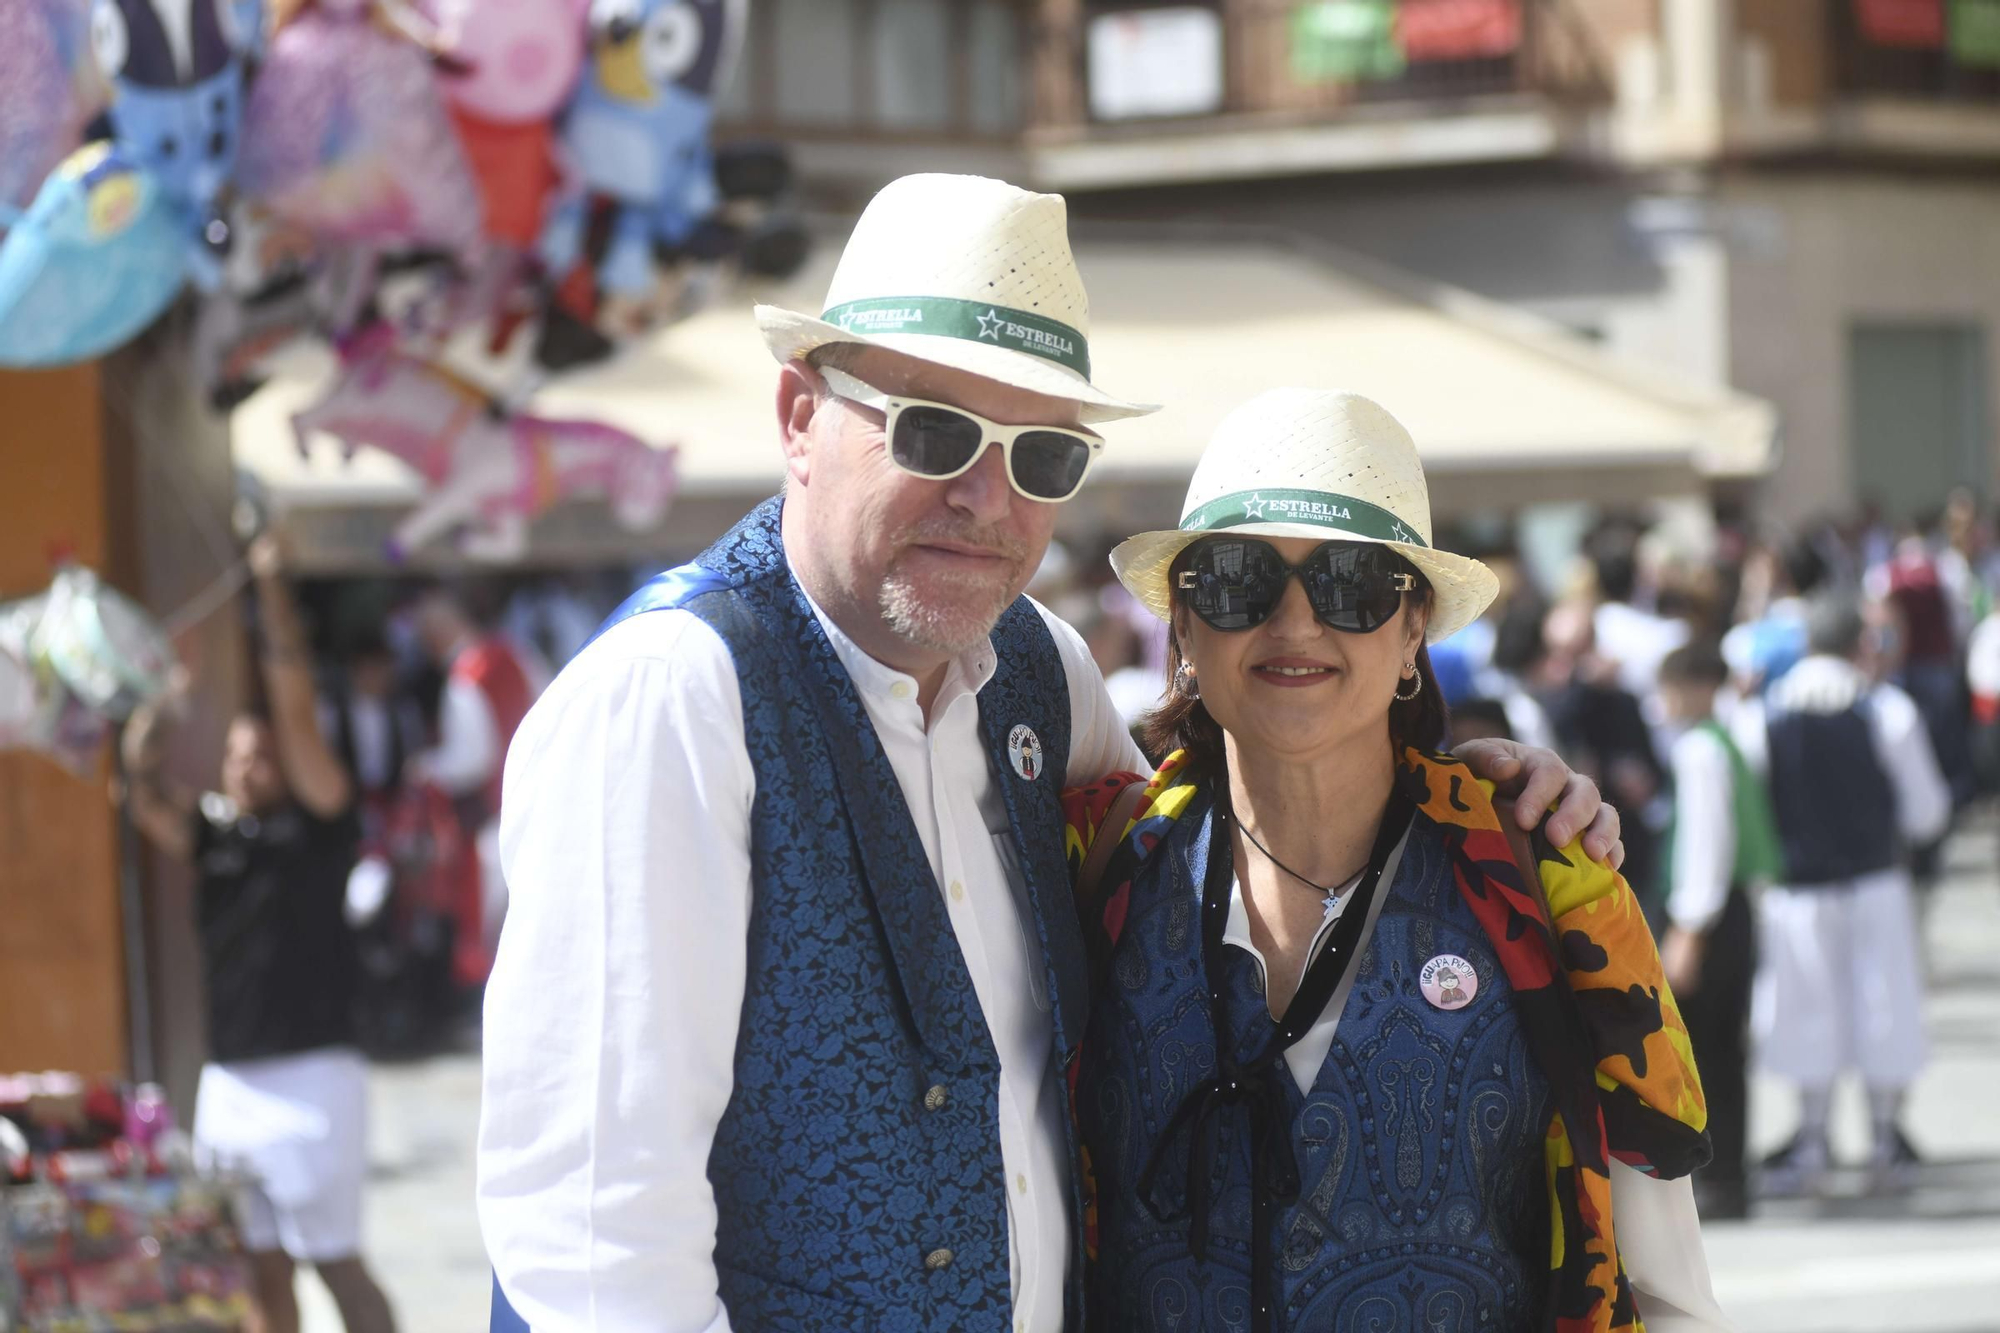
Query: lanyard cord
1254, 1085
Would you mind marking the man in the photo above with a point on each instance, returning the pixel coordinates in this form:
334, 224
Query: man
1854, 785
284, 1093
776, 1035
487, 691
1722, 843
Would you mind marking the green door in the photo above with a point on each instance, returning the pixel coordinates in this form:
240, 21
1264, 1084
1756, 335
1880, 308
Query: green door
1917, 414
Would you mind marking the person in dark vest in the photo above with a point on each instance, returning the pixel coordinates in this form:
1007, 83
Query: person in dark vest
284, 1094
1351, 1060
372, 722
1855, 786
1721, 846
776, 1035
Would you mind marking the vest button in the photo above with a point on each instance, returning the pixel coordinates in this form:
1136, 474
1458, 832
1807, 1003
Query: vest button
937, 1259
936, 1097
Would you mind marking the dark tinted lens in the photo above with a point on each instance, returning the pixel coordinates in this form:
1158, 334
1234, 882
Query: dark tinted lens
935, 441
1049, 464
1235, 583
1353, 588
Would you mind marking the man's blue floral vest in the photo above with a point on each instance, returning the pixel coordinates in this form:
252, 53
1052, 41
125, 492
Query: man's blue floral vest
857, 1169
1422, 1203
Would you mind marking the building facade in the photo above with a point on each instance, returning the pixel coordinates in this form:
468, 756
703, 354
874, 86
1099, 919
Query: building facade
1799, 199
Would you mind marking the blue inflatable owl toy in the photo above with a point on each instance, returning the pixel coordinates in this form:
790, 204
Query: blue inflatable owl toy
94, 260
176, 69
637, 133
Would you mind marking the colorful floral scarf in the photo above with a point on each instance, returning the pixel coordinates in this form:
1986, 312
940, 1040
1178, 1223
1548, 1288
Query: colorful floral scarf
1586, 979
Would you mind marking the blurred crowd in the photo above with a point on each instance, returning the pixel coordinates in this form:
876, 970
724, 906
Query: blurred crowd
420, 688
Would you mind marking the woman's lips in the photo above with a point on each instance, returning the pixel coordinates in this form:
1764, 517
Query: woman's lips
1294, 672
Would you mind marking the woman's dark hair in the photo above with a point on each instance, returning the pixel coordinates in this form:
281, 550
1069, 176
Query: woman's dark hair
1182, 721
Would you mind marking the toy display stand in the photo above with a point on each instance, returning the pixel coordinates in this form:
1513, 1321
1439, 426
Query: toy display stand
106, 1225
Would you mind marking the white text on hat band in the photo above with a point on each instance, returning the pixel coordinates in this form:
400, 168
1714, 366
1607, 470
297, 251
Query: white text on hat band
973, 321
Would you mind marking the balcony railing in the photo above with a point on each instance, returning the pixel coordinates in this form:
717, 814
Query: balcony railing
1948, 51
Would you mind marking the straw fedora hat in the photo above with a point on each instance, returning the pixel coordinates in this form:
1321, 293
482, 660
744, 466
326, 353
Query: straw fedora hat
965, 272
1316, 464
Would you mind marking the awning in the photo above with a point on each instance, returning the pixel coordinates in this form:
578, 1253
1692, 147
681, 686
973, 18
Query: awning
1506, 408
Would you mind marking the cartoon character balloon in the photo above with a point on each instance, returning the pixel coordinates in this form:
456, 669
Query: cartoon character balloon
74, 660
49, 90
518, 62
520, 57
96, 258
347, 139
637, 134
176, 68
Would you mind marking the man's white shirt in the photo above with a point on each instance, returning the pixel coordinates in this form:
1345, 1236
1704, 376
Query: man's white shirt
620, 978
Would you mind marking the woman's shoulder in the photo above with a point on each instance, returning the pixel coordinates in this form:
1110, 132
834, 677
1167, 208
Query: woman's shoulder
1447, 794
1164, 798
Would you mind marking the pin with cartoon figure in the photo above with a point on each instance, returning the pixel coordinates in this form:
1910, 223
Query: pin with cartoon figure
1448, 981
1024, 748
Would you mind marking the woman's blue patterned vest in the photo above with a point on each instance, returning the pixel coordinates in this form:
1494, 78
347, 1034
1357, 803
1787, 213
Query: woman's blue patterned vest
1422, 1203
857, 1169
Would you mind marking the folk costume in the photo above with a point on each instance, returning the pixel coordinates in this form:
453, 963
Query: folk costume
1722, 846
1453, 1123
1437, 1162
776, 1034
1854, 785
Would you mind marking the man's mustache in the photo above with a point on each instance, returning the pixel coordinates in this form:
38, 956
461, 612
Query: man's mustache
990, 540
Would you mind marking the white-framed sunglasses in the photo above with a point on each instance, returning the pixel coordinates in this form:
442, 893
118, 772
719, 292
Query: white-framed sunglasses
938, 441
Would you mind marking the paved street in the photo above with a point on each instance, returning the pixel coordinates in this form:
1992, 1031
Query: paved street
1928, 1263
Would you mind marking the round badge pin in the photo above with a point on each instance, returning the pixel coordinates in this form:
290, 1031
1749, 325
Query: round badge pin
1024, 749
1448, 981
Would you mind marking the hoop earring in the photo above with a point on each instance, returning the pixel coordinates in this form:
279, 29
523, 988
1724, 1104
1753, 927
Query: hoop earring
1185, 682
1416, 680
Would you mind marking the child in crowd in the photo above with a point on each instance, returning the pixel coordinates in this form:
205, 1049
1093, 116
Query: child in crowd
1722, 842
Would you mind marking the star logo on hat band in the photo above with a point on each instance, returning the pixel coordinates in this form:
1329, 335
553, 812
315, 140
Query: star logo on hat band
990, 324
1254, 506
1401, 535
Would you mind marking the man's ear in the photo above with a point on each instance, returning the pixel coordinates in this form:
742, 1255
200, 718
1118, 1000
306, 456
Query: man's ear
799, 392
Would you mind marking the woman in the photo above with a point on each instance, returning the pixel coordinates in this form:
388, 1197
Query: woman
1338, 1073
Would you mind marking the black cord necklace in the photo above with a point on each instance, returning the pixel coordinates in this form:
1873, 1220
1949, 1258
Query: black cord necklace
1329, 891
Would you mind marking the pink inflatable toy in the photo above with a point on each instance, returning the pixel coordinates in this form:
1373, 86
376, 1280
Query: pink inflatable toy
523, 56
488, 474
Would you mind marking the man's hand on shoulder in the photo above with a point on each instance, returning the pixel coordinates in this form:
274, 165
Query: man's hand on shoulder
1539, 781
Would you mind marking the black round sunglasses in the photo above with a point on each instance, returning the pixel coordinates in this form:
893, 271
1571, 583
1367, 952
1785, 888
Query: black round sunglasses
1235, 583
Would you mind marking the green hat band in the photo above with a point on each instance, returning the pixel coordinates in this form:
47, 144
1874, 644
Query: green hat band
1323, 509
947, 317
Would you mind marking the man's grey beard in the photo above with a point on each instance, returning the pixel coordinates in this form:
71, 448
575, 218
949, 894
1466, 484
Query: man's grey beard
955, 620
